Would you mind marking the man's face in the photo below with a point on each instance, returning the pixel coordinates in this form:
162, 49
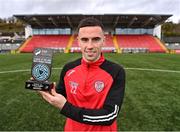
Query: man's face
91, 40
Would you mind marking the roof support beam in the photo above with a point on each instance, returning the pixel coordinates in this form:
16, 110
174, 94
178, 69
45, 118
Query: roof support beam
37, 21
53, 21
147, 21
116, 21
69, 22
132, 21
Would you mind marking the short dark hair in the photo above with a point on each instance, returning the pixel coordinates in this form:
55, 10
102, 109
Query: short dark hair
89, 21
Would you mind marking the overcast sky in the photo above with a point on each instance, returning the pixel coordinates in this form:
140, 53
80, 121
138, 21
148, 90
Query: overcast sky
11, 7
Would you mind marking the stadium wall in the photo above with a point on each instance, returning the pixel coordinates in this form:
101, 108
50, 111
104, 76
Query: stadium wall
157, 31
28, 31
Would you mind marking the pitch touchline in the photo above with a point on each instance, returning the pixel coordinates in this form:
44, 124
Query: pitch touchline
139, 69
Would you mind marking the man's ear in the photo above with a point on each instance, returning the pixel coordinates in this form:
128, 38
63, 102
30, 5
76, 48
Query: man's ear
104, 41
77, 38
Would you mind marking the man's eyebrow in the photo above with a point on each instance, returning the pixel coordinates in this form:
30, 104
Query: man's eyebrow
84, 38
91, 38
96, 38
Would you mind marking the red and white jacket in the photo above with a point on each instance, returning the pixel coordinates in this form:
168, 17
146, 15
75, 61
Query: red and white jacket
94, 93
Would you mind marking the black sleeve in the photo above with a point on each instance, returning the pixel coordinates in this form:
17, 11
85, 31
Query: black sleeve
105, 115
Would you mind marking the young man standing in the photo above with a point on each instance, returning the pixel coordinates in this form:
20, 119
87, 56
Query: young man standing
91, 89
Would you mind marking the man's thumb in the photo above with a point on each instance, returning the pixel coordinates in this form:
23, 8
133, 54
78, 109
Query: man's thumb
53, 90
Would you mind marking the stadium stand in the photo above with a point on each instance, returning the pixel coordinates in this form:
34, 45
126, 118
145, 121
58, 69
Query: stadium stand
109, 44
45, 41
8, 47
141, 42
68, 43
173, 44
130, 33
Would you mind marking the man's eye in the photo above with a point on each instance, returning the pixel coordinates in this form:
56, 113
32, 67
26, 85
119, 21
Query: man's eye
84, 39
96, 39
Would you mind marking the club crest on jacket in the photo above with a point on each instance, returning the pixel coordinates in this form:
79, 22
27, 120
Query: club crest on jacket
99, 86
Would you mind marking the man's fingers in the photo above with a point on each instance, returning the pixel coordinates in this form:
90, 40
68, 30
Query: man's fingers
47, 96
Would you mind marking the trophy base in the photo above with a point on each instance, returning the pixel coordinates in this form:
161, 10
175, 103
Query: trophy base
35, 85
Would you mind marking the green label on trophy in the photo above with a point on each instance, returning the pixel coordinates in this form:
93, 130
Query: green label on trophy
41, 70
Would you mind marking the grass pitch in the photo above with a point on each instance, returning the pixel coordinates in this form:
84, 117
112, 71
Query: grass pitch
152, 98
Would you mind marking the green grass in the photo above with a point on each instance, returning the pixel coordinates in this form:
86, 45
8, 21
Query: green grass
152, 98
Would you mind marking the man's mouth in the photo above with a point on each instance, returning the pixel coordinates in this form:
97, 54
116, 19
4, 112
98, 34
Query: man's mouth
91, 51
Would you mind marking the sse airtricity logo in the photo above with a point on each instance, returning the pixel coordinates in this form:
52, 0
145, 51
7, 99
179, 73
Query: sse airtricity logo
40, 72
37, 51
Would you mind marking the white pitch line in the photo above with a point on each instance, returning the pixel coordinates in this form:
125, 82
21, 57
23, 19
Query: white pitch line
12, 71
24, 70
158, 70
57, 68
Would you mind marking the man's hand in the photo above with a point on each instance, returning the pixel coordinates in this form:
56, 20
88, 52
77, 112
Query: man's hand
54, 98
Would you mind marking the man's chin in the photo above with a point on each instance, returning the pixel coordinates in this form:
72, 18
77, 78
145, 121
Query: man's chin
91, 58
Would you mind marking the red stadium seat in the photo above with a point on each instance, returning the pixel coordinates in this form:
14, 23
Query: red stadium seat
46, 41
139, 41
124, 41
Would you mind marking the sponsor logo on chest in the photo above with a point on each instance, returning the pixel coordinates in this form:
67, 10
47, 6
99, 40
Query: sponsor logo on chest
99, 86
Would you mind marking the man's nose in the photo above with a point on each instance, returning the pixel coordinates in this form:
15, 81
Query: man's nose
90, 44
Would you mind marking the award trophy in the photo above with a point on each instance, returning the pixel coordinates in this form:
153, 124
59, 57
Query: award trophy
41, 70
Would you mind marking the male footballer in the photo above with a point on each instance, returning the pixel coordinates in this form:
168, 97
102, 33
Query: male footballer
91, 89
